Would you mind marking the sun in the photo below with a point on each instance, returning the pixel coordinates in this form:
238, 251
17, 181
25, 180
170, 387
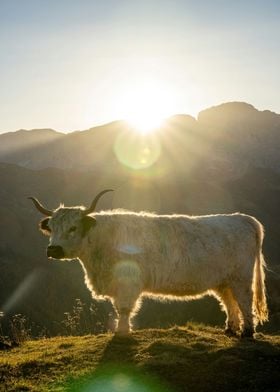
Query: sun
146, 121
146, 104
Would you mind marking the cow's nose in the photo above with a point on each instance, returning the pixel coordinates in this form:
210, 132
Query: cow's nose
55, 252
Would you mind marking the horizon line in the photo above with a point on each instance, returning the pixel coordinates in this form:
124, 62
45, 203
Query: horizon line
103, 124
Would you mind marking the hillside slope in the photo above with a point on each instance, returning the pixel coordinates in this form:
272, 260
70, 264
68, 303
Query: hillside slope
194, 358
26, 267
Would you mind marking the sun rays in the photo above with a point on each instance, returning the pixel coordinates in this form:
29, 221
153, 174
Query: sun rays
145, 103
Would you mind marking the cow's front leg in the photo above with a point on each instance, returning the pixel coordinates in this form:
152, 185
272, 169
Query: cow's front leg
127, 285
123, 323
125, 305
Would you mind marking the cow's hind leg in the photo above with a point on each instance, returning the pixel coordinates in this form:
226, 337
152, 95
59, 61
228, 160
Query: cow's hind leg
244, 296
231, 308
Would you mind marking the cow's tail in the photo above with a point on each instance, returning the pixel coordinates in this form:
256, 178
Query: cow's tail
259, 291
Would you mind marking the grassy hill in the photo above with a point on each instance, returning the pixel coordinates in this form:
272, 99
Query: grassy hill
193, 358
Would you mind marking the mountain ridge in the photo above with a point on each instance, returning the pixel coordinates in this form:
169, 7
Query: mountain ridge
235, 105
233, 132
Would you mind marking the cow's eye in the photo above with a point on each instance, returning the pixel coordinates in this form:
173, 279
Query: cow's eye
72, 229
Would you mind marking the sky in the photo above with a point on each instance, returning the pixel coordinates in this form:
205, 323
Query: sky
71, 65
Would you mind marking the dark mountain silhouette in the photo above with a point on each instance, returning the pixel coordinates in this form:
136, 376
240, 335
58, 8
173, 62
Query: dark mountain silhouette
12, 142
225, 161
232, 134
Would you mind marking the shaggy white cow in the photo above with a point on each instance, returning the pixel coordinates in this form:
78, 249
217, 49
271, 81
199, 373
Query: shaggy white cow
125, 254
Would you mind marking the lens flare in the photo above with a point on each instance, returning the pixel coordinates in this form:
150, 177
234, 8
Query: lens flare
22, 290
137, 151
118, 383
122, 379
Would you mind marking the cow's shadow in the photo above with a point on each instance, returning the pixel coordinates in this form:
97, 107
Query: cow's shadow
186, 362
239, 365
120, 349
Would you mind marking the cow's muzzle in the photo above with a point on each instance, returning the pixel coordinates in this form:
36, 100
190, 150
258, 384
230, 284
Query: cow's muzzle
55, 252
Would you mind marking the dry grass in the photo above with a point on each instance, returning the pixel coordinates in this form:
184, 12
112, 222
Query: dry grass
194, 358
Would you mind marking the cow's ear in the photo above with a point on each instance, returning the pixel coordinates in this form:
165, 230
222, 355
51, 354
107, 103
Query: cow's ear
44, 227
88, 222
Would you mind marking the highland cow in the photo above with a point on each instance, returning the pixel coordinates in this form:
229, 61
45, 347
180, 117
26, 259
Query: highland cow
126, 254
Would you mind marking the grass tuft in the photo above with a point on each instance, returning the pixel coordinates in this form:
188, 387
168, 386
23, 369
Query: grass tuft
193, 358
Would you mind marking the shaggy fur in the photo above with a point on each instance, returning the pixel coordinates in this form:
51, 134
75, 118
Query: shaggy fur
125, 254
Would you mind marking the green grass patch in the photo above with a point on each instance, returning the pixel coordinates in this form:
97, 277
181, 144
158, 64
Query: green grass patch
194, 358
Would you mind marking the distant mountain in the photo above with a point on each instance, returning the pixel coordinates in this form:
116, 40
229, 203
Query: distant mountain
11, 142
233, 136
240, 133
84, 149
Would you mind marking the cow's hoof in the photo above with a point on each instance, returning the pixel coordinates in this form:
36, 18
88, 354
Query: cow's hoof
247, 333
230, 332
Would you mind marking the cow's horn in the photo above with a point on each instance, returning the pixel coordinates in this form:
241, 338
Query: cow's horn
93, 204
40, 208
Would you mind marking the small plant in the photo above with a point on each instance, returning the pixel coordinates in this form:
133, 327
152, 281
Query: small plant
98, 320
84, 320
1, 329
19, 330
4, 340
75, 321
